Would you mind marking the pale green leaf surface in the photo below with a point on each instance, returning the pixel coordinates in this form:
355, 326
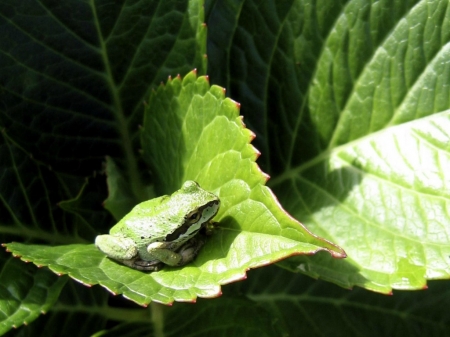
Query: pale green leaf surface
391, 191
332, 77
26, 292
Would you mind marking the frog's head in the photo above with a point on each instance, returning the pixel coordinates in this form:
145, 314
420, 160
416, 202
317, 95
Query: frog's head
191, 208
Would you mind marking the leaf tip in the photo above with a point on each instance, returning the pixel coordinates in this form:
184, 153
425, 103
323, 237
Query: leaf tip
338, 254
112, 292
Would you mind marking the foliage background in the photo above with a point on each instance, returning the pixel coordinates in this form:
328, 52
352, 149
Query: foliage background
348, 101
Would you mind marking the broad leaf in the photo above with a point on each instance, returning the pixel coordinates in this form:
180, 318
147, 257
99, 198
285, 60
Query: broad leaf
29, 193
33, 200
201, 137
75, 74
315, 308
120, 196
25, 292
326, 77
397, 179
232, 316
79, 312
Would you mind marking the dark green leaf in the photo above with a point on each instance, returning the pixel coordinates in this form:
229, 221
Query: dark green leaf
233, 316
25, 292
75, 74
120, 196
303, 306
79, 311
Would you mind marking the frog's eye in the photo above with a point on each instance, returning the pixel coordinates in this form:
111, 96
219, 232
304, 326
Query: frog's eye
194, 217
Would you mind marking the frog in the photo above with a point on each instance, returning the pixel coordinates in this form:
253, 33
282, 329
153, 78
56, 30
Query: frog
167, 230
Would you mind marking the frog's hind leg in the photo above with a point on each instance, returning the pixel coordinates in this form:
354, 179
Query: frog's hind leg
116, 247
185, 254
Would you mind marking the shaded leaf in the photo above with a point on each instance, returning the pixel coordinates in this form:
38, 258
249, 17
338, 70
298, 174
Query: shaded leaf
29, 195
78, 311
120, 196
221, 317
75, 74
316, 308
26, 292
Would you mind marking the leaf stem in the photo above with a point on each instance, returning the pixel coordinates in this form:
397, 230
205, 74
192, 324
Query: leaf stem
110, 313
157, 319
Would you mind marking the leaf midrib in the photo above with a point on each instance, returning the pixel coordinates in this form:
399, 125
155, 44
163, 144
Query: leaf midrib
121, 122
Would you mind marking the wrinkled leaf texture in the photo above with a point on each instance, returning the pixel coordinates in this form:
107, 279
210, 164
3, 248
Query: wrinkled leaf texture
348, 100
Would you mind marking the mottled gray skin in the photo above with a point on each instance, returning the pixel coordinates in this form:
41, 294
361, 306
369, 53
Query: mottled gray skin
163, 230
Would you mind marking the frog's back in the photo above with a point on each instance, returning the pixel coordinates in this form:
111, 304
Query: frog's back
144, 210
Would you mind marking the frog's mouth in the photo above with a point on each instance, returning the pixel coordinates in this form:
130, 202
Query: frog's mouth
189, 229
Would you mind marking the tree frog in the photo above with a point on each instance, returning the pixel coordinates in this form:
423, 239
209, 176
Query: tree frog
164, 230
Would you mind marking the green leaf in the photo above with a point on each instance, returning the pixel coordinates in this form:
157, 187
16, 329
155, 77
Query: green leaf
26, 292
299, 305
211, 147
404, 199
79, 311
120, 196
75, 74
327, 91
233, 316
29, 193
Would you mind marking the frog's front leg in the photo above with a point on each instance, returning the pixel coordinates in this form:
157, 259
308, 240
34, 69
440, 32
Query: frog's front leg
162, 251
124, 250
